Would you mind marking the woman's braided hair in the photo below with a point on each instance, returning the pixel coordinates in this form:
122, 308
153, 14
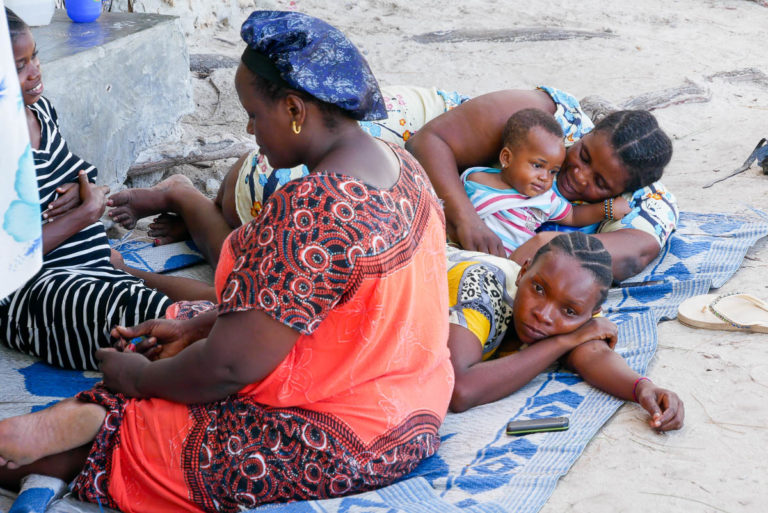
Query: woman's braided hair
589, 251
640, 144
15, 24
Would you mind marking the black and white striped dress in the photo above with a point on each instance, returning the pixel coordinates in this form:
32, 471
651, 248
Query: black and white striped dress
65, 312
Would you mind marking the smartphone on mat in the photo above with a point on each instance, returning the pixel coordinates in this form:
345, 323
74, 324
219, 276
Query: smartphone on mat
524, 427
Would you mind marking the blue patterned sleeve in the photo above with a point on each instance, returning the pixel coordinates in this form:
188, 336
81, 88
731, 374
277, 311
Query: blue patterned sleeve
573, 120
654, 211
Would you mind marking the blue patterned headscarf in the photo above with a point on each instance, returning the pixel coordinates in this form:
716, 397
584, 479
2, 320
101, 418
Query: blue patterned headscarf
314, 57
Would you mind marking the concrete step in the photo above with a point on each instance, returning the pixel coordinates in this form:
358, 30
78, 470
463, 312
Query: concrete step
119, 84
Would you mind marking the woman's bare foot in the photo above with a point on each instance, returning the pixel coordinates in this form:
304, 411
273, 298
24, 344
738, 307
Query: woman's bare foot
130, 205
64, 426
168, 228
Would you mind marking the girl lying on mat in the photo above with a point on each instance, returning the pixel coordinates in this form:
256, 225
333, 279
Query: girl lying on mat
300, 384
541, 311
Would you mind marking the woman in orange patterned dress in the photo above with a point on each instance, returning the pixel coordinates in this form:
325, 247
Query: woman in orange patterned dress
333, 302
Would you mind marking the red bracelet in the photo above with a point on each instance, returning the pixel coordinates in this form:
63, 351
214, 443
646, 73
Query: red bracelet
634, 387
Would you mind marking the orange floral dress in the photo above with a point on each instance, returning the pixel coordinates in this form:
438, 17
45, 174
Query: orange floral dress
360, 272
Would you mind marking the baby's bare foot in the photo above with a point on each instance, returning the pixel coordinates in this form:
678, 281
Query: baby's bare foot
130, 205
168, 228
64, 426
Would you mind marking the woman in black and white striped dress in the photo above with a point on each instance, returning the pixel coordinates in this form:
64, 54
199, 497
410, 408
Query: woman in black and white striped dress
65, 312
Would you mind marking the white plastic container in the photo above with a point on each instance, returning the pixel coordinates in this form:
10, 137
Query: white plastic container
35, 13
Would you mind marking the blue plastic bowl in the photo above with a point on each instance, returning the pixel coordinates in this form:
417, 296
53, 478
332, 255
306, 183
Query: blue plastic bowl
83, 11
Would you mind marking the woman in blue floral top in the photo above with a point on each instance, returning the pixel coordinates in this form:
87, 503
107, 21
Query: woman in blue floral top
624, 155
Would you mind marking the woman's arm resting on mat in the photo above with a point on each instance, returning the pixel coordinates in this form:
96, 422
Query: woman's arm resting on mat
242, 348
469, 135
479, 382
631, 250
603, 368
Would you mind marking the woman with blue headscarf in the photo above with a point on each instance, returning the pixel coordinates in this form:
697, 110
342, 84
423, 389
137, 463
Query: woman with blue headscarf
300, 383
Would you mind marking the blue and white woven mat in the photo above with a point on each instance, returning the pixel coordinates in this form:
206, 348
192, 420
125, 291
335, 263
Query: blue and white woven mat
145, 256
478, 468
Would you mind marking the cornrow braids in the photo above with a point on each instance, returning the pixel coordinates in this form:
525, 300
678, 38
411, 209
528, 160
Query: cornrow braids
589, 251
640, 144
521, 122
16, 26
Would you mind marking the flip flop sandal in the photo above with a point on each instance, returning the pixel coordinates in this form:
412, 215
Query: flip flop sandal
728, 312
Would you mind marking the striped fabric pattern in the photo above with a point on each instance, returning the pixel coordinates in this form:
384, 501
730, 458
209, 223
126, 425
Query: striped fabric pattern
65, 312
511, 215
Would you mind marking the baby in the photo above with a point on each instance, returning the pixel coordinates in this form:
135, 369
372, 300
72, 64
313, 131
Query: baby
515, 200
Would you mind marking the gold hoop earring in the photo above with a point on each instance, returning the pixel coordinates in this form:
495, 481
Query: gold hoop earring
296, 128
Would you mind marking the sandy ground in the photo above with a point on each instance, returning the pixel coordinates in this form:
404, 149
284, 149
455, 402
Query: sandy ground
717, 462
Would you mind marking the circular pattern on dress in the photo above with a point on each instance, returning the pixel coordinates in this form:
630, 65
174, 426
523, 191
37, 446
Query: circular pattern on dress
354, 190
234, 445
313, 473
246, 499
267, 299
205, 456
230, 291
265, 267
266, 235
304, 189
343, 211
99, 483
418, 180
266, 211
111, 423
353, 252
314, 437
340, 484
379, 244
302, 287
253, 466
238, 263
389, 203
246, 230
303, 219
407, 208
315, 257
313, 324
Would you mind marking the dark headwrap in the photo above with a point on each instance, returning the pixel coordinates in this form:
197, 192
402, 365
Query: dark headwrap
304, 53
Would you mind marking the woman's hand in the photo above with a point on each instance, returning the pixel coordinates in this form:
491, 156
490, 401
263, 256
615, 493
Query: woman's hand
473, 234
664, 406
122, 371
93, 197
69, 198
597, 328
164, 338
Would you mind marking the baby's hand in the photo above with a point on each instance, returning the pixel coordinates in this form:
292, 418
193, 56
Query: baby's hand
620, 208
